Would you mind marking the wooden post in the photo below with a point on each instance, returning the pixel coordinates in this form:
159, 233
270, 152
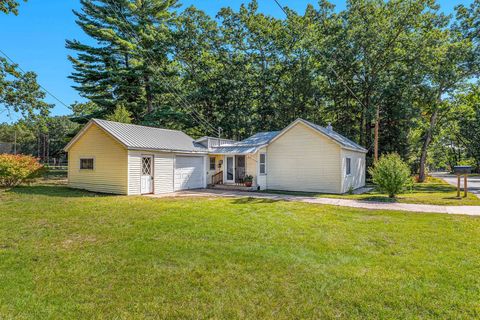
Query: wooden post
465, 186
458, 186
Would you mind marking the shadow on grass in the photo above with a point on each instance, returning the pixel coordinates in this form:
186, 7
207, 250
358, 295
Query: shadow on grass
254, 200
53, 191
382, 199
455, 198
433, 188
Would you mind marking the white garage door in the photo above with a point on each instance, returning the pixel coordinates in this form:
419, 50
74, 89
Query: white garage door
188, 173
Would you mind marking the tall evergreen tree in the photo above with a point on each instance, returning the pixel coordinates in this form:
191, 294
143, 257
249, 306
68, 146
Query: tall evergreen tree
130, 60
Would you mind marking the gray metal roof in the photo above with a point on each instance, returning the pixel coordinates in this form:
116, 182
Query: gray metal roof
150, 138
249, 145
252, 144
261, 138
234, 149
345, 142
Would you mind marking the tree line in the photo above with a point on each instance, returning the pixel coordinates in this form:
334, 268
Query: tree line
394, 76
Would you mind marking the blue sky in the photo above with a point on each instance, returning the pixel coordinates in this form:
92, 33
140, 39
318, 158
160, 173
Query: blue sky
35, 39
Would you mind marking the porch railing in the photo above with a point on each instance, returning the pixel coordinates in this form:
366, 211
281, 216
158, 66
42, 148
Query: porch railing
217, 178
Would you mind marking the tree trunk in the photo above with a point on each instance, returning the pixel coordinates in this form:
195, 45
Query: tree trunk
148, 91
377, 129
368, 139
363, 140
426, 144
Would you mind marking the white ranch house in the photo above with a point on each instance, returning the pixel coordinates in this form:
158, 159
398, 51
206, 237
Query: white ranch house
129, 159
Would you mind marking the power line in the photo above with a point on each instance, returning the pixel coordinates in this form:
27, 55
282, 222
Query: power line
178, 97
43, 88
281, 7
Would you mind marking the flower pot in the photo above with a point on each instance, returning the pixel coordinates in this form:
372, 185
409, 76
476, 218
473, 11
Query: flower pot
248, 184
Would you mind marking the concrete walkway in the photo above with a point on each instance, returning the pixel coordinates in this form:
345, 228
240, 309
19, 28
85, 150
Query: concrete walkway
417, 208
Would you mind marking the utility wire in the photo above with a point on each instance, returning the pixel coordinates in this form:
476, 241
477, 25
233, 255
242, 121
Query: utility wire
43, 88
281, 7
179, 98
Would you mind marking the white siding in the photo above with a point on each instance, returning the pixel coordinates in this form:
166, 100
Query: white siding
304, 160
357, 177
261, 178
163, 172
164, 169
134, 172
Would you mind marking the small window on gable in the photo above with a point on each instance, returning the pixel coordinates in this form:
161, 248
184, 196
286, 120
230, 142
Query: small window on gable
86, 164
212, 163
349, 166
263, 163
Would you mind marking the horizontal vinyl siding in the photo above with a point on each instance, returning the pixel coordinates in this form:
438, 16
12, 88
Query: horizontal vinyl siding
304, 160
162, 168
110, 163
134, 172
261, 178
357, 177
251, 166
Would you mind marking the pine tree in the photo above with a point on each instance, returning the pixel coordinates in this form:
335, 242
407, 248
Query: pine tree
121, 114
131, 58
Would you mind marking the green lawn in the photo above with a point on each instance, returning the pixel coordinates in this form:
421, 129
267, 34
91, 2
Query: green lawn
71, 254
435, 191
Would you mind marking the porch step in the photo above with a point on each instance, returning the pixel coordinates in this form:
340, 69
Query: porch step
232, 187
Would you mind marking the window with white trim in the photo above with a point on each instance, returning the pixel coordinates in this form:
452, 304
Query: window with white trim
263, 163
212, 163
86, 164
349, 166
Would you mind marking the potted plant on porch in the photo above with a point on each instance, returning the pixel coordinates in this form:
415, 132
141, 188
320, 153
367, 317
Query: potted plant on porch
248, 180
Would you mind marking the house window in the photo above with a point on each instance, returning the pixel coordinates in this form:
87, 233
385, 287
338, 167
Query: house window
86, 164
263, 163
212, 163
349, 166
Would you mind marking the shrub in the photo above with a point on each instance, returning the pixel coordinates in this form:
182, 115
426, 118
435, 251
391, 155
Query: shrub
17, 169
391, 175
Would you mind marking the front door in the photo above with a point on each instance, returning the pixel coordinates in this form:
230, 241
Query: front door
230, 169
147, 175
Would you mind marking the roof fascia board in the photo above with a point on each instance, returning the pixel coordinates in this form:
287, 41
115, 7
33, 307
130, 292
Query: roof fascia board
167, 150
293, 124
331, 138
78, 135
84, 130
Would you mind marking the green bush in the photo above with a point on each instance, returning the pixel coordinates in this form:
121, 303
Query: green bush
16, 169
391, 175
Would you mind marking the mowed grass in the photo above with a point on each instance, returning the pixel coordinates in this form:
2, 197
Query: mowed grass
434, 192
75, 255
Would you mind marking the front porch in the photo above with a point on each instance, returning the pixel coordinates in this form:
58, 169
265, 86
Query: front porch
230, 172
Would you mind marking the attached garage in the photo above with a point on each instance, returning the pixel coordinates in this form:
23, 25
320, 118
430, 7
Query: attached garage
128, 159
189, 172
